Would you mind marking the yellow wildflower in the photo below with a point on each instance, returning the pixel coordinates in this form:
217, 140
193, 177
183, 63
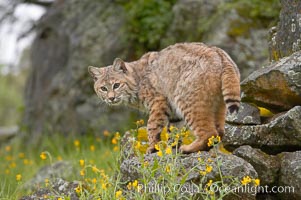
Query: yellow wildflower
203, 173
21, 155
8, 158
94, 180
129, 186
139, 122
167, 168
116, 148
164, 135
18, 177
145, 163
76, 143
157, 147
25, 161
208, 168
92, 148
142, 134
159, 153
60, 198
77, 189
135, 184
8, 148
256, 182
59, 158
172, 128
82, 162
114, 140
213, 140
106, 133
104, 186
175, 143
137, 145
43, 156
209, 183
94, 169
82, 172
12, 165
118, 194
246, 180
168, 150
46, 182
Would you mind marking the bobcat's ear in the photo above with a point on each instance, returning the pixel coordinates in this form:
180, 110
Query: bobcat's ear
94, 72
119, 65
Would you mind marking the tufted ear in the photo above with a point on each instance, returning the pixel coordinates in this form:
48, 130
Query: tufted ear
94, 72
119, 65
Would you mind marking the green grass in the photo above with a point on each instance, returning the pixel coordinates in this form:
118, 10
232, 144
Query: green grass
16, 159
11, 97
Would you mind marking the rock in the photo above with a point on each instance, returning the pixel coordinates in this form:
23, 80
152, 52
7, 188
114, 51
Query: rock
59, 92
281, 134
267, 166
8, 132
230, 165
286, 38
222, 24
60, 169
57, 188
290, 175
247, 114
276, 87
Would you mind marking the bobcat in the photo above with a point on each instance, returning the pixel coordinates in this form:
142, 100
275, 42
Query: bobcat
192, 81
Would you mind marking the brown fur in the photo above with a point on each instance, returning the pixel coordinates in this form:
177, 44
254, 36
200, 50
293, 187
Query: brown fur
188, 80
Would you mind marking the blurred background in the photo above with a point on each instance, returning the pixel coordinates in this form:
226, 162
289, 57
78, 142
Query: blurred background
46, 46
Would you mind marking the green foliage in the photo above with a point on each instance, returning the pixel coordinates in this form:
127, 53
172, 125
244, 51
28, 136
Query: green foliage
253, 14
268, 9
147, 22
11, 98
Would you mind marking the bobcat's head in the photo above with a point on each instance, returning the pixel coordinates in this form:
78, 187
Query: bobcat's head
114, 84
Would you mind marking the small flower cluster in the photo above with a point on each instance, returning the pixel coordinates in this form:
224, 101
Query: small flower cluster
115, 141
246, 180
141, 142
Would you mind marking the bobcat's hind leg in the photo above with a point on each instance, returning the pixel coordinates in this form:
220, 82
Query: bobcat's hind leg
201, 122
158, 118
220, 116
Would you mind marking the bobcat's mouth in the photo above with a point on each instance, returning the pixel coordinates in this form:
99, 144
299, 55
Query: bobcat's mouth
115, 102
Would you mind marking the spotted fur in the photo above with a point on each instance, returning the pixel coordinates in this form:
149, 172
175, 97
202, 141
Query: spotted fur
186, 80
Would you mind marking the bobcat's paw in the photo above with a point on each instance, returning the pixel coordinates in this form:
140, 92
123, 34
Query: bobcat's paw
184, 149
195, 146
150, 150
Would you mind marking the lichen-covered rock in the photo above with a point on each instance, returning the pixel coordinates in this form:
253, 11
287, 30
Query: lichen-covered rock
290, 175
132, 166
57, 188
281, 134
247, 114
286, 38
267, 166
276, 87
60, 169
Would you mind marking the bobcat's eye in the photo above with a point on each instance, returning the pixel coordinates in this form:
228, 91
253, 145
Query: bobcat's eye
103, 88
116, 85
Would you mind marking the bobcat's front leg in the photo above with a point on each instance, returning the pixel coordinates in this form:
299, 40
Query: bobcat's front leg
158, 118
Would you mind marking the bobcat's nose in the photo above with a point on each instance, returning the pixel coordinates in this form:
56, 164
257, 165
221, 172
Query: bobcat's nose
111, 99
